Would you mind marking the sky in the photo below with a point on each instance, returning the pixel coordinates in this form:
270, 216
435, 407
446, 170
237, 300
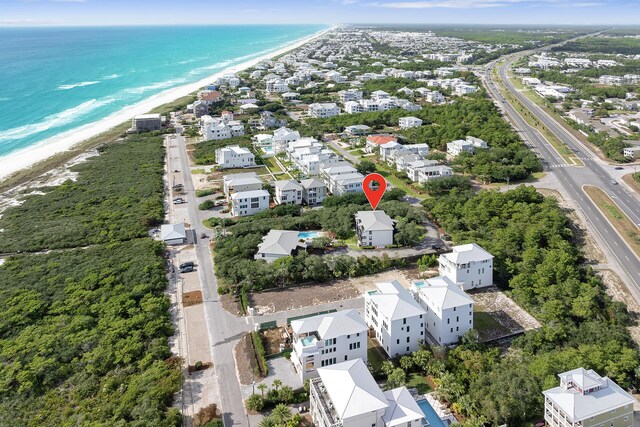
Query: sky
214, 12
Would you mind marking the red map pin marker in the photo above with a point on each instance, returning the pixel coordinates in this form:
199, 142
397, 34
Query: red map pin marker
374, 195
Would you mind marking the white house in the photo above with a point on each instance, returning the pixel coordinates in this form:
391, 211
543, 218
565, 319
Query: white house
288, 192
346, 183
173, 234
397, 319
251, 202
412, 169
237, 182
459, 146
282, 137
374, 228
389, 147
379, 94
353, 107
435, 97
234, 156
409, 122
214, 129
584, 398
469, 266
277, 86
429, 173
632, 152
278, 244
449, 310
314, 191
326, 340
346, 395
323, 110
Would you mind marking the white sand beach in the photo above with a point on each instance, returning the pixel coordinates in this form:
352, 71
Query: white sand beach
31, 155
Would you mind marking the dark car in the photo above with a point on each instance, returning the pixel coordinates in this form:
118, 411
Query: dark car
187, 264
618, 168
187, 269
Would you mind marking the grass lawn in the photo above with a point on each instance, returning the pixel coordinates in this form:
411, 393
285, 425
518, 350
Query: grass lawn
271, 163
398, 183
533, 178
627, 229
375, 354
486, 325
419, 382
351, 241
197, 171
632, 182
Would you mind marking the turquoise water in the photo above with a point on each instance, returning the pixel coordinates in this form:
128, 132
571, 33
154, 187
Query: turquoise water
309, 234
306, 341
430, 414
53, 80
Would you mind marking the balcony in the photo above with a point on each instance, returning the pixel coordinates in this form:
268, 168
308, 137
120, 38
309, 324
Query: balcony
323, 405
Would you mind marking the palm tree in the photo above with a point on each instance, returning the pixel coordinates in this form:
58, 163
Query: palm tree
262, 387
276, 384
281, 414
268, 422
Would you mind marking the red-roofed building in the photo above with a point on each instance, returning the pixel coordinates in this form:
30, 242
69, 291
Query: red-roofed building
211, 97
375, 141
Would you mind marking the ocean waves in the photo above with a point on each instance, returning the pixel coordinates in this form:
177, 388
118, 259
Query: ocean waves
75, 85
54, 120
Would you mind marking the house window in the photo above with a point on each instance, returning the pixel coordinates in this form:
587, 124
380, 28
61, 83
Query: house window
408, 328
397, 341
404, 321
408, 339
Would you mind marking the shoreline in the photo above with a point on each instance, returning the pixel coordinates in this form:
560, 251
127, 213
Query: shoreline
28, 157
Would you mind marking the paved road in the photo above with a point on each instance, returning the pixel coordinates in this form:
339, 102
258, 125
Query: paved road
224, 329
573, 179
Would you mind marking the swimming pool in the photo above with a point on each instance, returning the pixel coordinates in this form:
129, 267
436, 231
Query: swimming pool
308, 234
267, 150
430, 414
307, 341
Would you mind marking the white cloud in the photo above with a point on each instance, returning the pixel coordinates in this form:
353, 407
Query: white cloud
476, 4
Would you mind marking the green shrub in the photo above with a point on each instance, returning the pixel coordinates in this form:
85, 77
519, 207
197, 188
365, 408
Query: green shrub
206, 205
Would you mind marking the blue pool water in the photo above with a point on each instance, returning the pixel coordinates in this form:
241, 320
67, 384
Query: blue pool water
309, 234
430, 414
267, 149
307, 341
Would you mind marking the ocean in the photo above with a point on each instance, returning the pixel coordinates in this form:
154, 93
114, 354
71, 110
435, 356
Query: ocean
53, 80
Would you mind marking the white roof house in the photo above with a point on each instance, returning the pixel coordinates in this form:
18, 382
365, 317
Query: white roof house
173, 234
586, 398
347, 395
402, 409
278, 244
288, 191
396, 317
449, 309
327, 339
352, 389
409, 122
469, 266
374, 228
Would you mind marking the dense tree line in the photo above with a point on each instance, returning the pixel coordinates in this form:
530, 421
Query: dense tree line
612, 45
536, 260
234, 250
84, 329
116, 196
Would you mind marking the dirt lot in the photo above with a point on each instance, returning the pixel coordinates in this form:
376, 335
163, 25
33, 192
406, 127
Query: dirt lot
246, 363
272, 338
619, 292
510, 317
191, 298
303, 296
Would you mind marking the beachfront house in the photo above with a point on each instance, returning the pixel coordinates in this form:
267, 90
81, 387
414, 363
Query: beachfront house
250, 202
146, 123
278, 244
234, 156
449, 310
586, 399
469, 266
288, 192
346, 395
314, 191
395, 317
327, 339
374, 228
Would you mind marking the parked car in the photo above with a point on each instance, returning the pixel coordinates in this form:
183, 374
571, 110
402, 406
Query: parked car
179, 201
618, 168
187, 264
188, 269
614, 182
